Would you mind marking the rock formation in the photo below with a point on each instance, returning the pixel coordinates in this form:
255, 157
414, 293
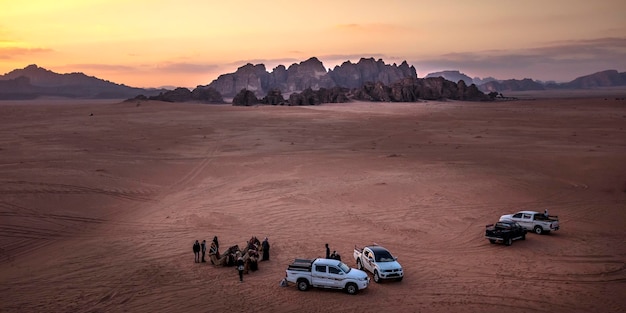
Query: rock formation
323, 95
306, 97
250, 77
200, 94
453, 76
512, 85
414, 89
309, 74
245, 97
350, 75
274, 97
206, 95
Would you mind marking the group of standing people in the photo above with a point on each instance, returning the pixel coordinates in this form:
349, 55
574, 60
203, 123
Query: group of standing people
201, 247
333, 255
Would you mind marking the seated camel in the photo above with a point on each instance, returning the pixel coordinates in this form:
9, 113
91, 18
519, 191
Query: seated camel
250, 259
228, 257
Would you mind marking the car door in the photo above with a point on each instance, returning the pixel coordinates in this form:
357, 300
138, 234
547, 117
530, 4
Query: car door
369, 260
319, 276
517, 217
526, 221
336, 276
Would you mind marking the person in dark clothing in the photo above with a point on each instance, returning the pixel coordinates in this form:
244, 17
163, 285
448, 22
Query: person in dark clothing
196, 251
203, 245
327, 252
240, 266
217, 244
335, 256
266, 250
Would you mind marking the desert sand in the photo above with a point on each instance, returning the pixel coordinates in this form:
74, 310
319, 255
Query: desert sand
100, 202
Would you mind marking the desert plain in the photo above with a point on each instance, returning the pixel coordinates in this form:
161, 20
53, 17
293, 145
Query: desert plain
100, 202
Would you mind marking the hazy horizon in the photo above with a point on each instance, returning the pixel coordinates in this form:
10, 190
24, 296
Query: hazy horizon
158, 43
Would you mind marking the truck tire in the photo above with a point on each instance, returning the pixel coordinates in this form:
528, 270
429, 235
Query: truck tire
492, 241
303, 284
351, 288
523, 236
359, 265
376, 277
508, 241
538, 230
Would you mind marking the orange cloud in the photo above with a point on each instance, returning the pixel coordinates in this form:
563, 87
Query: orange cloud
7, 53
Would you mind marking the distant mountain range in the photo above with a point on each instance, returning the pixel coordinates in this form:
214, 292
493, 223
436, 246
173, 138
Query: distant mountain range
608, 78
33, 82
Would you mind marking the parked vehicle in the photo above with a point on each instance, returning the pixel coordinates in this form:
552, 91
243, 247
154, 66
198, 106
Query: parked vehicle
379, 261
505, 232
534, 221
326, 273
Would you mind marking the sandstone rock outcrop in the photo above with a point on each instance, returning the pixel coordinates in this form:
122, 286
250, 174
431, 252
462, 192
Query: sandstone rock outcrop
250, 77
453, 76
323, 95
309, 74
414, 89
334, 95
177, 95
274, 97
306, 97
200, 94
354, 75
245, 97
207, 95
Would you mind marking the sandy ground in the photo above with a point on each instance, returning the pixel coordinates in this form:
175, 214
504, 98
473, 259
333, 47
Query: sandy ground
100, 203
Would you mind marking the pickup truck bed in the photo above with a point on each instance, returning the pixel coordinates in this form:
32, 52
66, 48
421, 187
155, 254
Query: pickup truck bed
303, 265
504, 231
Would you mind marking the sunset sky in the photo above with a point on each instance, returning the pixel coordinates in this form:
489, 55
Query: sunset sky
152, 43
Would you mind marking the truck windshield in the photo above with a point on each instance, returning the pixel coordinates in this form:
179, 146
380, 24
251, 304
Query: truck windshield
384, 256
344, 267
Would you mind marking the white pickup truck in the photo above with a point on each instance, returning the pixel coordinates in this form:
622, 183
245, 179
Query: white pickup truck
534, 221
379, 261
326, 273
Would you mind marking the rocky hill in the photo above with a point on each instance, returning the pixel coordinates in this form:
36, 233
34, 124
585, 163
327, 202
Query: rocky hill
609, 78
512, 85
309, 74
33, 81
454, 76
